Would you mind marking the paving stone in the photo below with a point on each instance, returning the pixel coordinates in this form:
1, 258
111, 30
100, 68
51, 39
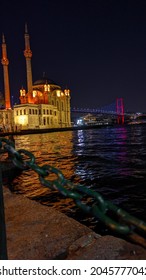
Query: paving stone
38, 232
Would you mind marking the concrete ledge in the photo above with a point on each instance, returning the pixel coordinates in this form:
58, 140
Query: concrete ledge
38, 232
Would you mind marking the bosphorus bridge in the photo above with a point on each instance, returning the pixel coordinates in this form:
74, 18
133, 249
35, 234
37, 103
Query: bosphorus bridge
114, 110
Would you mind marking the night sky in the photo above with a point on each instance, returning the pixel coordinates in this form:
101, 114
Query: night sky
97, 48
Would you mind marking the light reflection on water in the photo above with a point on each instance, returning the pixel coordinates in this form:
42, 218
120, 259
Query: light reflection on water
109, 160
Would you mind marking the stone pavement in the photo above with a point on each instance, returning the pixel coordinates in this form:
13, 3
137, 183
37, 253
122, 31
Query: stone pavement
38, 232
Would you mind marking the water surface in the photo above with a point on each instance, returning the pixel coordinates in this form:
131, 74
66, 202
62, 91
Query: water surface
109, 160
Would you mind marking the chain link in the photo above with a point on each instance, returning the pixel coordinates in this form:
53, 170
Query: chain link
113, 217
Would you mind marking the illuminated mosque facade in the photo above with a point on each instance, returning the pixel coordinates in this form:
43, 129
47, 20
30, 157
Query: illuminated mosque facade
43, 105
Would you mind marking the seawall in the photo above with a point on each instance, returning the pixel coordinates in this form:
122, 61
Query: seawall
47, 130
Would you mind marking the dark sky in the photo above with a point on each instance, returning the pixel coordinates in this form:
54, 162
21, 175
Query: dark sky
97, 48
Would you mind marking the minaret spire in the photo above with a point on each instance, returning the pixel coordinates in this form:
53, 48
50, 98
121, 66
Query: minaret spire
5, 63
28, 56
3, 38
26, 29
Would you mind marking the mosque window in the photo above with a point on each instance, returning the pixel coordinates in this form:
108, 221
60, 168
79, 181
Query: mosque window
58, 93
46, 87
34, 93
22, 92
67, 92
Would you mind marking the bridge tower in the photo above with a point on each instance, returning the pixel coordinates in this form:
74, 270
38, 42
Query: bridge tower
120, 110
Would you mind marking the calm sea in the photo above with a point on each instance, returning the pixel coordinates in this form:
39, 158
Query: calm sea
109, 160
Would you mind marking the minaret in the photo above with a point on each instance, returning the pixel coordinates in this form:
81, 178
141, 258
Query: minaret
28, 55
5, 63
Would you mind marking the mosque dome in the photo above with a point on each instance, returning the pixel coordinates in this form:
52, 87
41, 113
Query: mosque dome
44, 81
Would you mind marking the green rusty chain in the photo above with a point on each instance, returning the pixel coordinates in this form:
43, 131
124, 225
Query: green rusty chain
112, 216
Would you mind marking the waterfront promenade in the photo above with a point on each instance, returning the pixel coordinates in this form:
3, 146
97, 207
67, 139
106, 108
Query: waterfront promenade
37, 232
